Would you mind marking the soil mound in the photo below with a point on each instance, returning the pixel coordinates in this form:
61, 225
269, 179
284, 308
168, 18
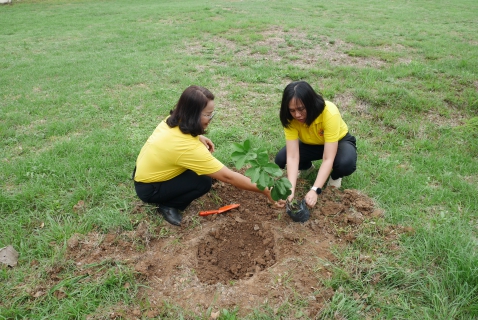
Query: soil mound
249, 256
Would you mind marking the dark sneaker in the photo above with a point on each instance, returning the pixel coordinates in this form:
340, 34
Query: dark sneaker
171, 215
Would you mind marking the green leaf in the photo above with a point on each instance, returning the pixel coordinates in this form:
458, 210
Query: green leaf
247, 145
263, 158
239, 159
275, 194
253, 173
272, 169
264, 180
271, 165
284, 181
281, 189
262, 172
237, 147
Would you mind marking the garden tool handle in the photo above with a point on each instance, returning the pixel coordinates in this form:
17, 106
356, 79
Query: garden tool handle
206, 213
220, 210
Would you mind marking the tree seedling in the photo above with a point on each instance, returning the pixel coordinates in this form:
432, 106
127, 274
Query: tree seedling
294, 205
262, 172
297, 210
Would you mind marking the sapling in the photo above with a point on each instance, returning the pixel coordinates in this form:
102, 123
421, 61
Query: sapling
262, 172
297, 210
294, 204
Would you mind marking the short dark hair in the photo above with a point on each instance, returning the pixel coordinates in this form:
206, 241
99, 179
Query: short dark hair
187, 113
301, 91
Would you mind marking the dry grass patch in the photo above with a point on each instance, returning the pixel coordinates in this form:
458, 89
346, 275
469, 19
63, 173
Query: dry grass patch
293, 47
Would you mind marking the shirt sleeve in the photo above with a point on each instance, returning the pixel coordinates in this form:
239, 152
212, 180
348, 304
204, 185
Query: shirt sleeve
200, 160
291, 133
332, 127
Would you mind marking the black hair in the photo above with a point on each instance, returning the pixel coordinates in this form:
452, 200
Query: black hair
303, 92
187, 113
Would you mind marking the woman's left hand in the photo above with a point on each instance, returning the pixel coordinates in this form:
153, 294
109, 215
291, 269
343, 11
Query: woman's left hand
311, 198
208, 143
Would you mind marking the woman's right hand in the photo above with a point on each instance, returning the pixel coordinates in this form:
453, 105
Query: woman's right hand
280, 203
242, 182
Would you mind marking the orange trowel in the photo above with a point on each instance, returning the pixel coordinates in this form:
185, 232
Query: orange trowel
220, 210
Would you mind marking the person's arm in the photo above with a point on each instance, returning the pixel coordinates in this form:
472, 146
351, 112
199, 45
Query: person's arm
240, 181
330, 150
293, 157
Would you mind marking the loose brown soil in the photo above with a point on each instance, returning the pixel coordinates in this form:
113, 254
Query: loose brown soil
247, 257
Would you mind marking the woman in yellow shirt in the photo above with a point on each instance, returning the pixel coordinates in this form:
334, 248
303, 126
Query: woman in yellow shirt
176, 165
314, 130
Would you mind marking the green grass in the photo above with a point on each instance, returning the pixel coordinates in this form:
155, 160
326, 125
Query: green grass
83, 84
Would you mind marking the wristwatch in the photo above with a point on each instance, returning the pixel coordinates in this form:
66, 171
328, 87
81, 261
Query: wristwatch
317, 190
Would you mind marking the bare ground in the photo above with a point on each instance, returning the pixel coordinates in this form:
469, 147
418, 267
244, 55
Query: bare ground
249, 257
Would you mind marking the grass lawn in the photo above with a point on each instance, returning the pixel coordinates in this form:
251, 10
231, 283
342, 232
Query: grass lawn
84, 83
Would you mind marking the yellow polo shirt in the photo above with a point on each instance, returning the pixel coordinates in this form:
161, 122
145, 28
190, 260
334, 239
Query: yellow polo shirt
168, 152
327, 127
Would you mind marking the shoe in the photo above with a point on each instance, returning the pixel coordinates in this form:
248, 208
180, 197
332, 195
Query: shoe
171, 215
306, 173
334, 183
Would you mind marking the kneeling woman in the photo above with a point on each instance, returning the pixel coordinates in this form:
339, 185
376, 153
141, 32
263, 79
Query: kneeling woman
314, 130
175, 165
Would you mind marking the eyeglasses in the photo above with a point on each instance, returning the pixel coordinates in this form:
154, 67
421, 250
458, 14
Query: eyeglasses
210, 116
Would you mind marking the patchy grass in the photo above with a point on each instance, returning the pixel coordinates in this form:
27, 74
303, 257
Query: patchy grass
84, 83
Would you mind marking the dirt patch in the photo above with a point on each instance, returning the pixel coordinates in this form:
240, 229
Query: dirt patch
248, 257
292, 47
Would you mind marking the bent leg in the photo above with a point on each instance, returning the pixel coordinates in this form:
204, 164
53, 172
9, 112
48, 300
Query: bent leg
177, 193
281, 158
345, 162
180, 191
307, 154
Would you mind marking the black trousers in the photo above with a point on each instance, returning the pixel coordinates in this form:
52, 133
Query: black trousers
177, 193
345, 161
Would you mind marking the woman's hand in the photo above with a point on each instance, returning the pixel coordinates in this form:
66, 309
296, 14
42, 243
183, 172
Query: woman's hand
279, 204
311, 198
276, 204
208, 143
242, 182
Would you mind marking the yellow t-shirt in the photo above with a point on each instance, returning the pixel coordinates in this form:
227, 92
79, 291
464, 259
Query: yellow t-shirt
168, 152
327, 127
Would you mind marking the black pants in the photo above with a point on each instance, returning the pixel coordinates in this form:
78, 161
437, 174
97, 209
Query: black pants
345, 161
177, 193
